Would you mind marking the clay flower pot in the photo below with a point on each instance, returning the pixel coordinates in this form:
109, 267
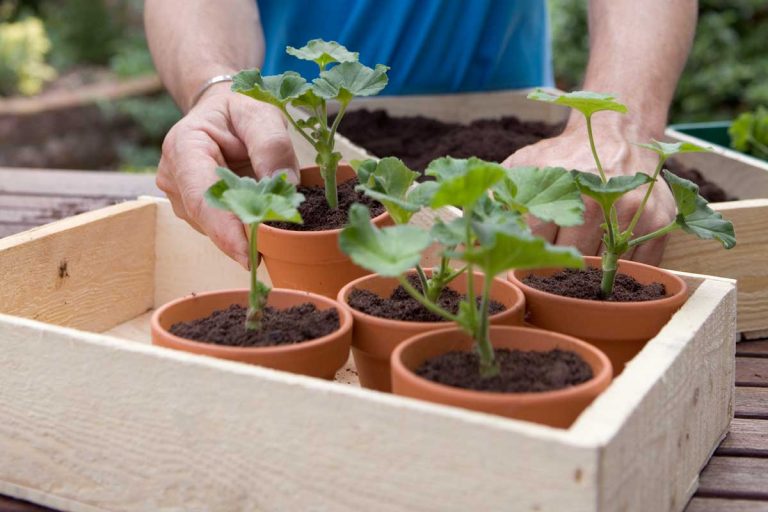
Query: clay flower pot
311, 260
558, 408
320, 357
374, 338
620, 329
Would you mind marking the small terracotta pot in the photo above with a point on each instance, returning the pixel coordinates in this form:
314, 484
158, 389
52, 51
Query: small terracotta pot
320, 357
557, 408
374, 338
311, 260
620, 329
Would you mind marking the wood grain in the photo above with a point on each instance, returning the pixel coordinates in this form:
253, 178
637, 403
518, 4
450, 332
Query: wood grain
751, 402
58, 183
92, 271
752, 371
735, 477
724, 505
746, 438
752, 348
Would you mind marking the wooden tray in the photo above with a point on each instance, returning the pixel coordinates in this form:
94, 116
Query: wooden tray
95, 418
740, 176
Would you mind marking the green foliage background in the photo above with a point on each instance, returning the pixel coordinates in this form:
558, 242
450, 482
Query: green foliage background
727, 71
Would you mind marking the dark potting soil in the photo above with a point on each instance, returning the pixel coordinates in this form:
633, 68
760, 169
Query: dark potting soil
585, 284
319, 217
401, 306
279, 326
418, 140
520, 371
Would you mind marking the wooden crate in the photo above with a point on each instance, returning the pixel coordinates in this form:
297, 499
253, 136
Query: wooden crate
95, 418
740, 177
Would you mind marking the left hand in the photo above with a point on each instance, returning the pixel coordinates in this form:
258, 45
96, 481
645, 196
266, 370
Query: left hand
618, 157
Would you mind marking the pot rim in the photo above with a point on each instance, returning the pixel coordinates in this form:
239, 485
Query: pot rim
325, 232
345, 323
341, 299
605, 373
675, 297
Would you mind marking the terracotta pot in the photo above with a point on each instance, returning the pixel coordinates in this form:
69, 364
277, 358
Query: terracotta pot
620, 329
320, 357
374, 338
311, 260
557, 408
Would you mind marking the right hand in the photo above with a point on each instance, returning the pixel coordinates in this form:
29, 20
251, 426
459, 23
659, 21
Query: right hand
229, 130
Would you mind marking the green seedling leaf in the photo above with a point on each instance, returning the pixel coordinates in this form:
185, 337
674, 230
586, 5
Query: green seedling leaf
667, 149
585, 102
350, 79
608, 193
749, 133
462, 182
503, 250
323, 52
450, 234
276, 90
550, 194
388, 181
695, 216
389, 252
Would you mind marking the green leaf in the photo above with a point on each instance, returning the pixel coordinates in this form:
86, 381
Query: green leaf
504, 250
608, 193
323, 52
695, 216
585, 102
749, 133
388, 181
389, 252
462, 182
667, 149
550, 194
350, 79
275, 89
450, 234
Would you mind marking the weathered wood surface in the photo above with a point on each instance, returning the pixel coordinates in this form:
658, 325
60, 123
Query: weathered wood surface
751, 402
752, 371
752, 348
747, 438
725, 505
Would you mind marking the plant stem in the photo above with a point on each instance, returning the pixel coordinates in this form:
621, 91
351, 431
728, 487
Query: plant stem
256, 298
423, 280
434, 308
328, 172
594, 149
489, 367
639, 212
610, 266
296, 127
650, 236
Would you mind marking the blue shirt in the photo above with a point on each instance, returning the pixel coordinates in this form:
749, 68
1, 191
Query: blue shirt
432, 46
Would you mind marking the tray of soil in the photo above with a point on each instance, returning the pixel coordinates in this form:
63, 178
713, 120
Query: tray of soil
643, 300
544, 377
300, 332
385, 315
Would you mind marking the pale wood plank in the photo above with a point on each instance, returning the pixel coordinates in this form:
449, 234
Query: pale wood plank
725, 505
747, 437
751, 402
91, 271
752, 371
735, 477
752, 348
58, 183
756, 335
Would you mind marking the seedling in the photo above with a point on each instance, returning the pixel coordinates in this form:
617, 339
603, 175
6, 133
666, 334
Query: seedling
254, 202
342, 82
749, 133
491, 236
694, 216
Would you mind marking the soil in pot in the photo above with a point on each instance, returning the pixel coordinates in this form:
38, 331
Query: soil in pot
401, 306
318, 216
585, 284
418, 140
520, 371
286, 326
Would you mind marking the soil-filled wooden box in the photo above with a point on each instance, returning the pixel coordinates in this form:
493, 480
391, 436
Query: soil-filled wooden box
93, 417
740, 177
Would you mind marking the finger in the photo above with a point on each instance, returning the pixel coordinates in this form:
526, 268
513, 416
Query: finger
269, 145
587, 237
651, 252
546, 230
166, 182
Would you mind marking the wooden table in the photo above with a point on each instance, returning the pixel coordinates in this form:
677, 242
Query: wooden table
736, 478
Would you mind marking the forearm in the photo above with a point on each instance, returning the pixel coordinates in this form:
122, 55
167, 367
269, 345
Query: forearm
194, 40
637, 51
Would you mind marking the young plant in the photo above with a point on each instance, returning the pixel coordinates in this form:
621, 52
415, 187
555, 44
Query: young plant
254, 202
693, 213
749, 133
491, 236
342, 82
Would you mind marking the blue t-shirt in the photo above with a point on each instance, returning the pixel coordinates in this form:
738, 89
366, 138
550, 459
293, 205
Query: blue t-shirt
432, 46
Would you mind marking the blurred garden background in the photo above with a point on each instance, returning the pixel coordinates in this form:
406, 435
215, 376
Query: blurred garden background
77, 87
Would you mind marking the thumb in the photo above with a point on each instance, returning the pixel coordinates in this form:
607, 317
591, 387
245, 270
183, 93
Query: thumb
269, 145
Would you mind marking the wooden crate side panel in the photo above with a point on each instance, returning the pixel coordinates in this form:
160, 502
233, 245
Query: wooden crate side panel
747, 262
121, 426
92, 271
676, 398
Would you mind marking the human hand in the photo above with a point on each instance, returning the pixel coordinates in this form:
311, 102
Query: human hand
618, 157
230, 130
